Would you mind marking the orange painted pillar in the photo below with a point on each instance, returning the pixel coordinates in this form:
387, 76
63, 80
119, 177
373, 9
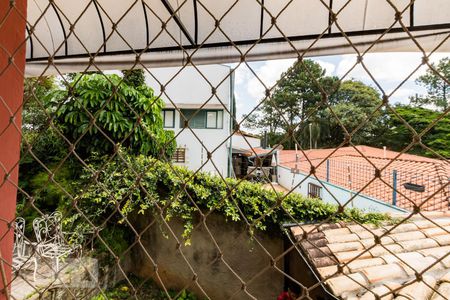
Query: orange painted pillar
12, 65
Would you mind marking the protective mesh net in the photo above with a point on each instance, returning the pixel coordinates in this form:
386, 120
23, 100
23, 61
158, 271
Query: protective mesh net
129, 188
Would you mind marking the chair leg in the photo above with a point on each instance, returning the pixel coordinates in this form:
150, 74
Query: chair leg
35, 269
57, 267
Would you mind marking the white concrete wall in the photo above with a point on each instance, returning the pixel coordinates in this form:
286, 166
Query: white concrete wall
196, 153
341, 195
189, 87
241, 143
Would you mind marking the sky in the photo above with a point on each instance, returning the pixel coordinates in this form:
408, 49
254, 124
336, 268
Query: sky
389, 70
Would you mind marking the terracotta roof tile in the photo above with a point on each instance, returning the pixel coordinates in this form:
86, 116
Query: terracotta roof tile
383, 249
377, 291
359, 164
391, 258
412, 245
377, 274
351, 255
364, 263
406, 236
349, 246
418, 290
431, 232
411, 262
414, 266
347, 283
442, 240
343, 238
329, 271
443, 292
366, 234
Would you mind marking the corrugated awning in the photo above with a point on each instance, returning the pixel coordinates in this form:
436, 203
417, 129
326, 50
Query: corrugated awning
170, 33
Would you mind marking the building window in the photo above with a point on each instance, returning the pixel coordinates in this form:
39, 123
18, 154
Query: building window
201, 119
168, 118
314, 191
214, 119
179, 156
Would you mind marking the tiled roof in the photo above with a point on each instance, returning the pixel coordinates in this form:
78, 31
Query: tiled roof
406, 261
354, 168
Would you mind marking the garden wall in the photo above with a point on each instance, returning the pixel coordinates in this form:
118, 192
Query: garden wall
244, 256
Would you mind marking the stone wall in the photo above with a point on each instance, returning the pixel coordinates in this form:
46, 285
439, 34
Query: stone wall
219, 278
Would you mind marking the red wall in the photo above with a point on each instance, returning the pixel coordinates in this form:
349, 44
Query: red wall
12, 64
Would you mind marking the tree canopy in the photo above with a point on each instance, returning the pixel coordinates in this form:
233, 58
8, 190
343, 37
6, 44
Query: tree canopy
305, 100
396, 135
94, 112
436, 81
99, 111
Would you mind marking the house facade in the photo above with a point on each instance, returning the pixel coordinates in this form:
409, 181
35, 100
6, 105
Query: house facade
201, 118
372, 179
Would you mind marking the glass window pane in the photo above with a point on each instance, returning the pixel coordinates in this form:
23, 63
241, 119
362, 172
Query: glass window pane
169, 118
198, 121
211, 119
220, 119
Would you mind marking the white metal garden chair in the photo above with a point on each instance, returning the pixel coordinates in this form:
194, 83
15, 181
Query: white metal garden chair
23, 258
51, 239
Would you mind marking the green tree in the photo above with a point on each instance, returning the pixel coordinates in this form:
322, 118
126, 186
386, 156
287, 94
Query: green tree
353, 103
41, 146
134, 77
296, 95
291, 111
100, 111
437, 85
33, 114
397, 135
132, 113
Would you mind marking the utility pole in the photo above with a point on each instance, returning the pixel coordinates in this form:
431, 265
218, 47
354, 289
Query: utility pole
310, 136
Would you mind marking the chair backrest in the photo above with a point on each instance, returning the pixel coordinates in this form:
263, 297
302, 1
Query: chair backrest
19, 237
48, 229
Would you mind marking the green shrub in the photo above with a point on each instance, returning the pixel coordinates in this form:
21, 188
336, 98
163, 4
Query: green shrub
145, 290
123, 113
181, 193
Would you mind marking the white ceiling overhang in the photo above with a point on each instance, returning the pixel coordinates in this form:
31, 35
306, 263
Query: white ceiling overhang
111, 34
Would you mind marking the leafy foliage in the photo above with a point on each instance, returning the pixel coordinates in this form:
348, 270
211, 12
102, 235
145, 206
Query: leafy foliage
34, 117
111, 112
181, 193
117, 114
145, 290
297, 92
291, 109
437, 85
397, 135
134, 77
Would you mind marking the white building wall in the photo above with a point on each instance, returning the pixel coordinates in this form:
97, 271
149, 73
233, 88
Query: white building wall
190, 88
247, 143
199, 141
333, 194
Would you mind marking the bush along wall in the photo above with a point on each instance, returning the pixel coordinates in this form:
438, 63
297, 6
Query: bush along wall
131, 184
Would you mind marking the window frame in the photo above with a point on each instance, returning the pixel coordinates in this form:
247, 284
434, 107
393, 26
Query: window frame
183, 117
314, 190
164, 117
176, 157
216, 111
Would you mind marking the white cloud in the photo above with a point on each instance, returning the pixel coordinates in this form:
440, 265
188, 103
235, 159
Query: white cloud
393, 67
268, 74
388, 69
329, 67
401, 95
